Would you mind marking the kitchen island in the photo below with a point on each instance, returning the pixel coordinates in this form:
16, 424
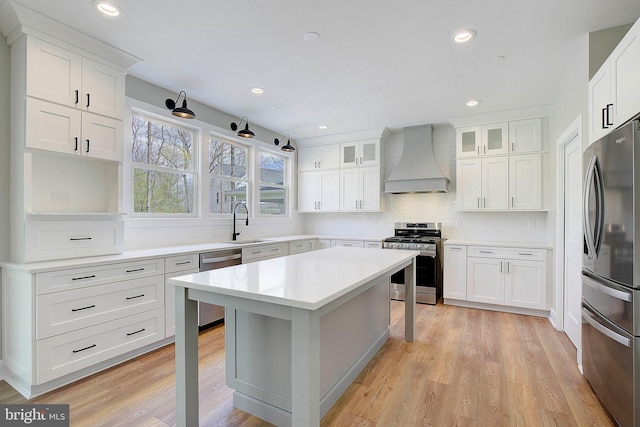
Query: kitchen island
299, 329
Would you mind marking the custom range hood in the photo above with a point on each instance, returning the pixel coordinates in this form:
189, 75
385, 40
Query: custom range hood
417, 171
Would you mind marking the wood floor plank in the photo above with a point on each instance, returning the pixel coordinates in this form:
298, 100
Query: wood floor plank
467, 367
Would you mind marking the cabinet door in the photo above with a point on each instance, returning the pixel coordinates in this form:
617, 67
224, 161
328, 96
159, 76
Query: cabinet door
625, 69
525, 182
102, 137
600, 103
307, 159
329, 190
495, 183
525, 136
308, 191
350, 190
329, 156
52, 127
468, 184
455, 272
102, 89
53, 73
485, 280
495, 138
360, 153
526, 284
468, 141
370, 185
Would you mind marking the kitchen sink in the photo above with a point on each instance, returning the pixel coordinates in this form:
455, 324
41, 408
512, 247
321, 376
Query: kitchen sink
244, 242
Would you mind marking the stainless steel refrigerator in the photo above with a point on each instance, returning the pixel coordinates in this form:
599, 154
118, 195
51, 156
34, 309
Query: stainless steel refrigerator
611, 272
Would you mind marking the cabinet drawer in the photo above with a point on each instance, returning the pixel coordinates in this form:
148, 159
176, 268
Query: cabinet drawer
62, 280
62, 312
264, 252
73, 351
299, 247
180, 263
348, 243
48, 240
510, 253
373, 244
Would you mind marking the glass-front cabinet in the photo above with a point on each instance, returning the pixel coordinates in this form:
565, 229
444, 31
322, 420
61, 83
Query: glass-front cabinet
468, 141
360, 153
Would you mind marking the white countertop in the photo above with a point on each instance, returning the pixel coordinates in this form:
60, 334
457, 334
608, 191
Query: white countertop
308, 280
498, 244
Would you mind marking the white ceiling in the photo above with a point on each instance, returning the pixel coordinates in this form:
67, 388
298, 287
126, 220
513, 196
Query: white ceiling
378, 63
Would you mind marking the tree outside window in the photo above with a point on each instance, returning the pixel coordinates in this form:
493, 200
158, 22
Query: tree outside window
228, 176
273, 192
164, 171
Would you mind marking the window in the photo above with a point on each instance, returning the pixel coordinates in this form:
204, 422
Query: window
228, 176
273, 192
164, 171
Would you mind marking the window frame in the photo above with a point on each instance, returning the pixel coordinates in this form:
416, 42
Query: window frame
206, 182
194, 171
286, 187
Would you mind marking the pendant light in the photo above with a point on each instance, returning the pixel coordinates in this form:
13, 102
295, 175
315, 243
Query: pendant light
183, 111
288, 147
246, 132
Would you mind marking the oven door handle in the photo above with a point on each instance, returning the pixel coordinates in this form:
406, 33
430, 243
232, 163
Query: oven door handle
590, 319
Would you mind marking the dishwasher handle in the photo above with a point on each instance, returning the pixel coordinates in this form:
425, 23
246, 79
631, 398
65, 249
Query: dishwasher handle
220, 259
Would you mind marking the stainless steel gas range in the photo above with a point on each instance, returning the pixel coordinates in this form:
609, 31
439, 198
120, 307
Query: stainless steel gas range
425, 237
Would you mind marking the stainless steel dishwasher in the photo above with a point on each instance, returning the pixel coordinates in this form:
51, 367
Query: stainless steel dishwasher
209, 313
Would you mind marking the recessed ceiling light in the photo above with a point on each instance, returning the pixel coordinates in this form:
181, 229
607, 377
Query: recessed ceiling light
311, 36
323, 127
472, 103
257, 90
108, 8
271, 107
463, 36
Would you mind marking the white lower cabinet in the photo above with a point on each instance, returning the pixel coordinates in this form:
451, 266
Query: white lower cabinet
455, 272
262, 252
301, 246
503, 276
63, 323
175, 266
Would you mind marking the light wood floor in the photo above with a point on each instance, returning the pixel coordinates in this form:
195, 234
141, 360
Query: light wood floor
466, 368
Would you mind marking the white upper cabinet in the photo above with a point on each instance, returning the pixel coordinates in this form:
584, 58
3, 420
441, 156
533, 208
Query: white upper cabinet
468, 141
625, 72
525, 136
613, 89
495, 139
482, 183
525, 181
319, 191
360, 153
319, 157
64, 77
54, 127
360, 189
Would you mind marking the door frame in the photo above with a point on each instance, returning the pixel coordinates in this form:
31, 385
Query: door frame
573, 131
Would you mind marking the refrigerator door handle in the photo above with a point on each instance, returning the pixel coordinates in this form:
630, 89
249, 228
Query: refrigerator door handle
586, 315
599, 231
588, 181
621, 295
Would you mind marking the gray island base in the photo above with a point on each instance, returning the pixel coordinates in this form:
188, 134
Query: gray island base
298, 329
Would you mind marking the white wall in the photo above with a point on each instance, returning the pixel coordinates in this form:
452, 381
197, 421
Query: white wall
440, 207
5, 84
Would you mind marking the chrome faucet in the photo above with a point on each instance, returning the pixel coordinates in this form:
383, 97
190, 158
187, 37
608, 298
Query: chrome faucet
234, 218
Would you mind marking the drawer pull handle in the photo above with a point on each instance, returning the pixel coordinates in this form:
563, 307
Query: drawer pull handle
275, 249
135, 270
183, 263
486, 252
137, 296
83, 349
80, 238
93, 276
256, 252
84, 308
136, 332
525, 253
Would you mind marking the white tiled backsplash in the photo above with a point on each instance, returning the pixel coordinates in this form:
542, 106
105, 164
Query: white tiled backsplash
439, 207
